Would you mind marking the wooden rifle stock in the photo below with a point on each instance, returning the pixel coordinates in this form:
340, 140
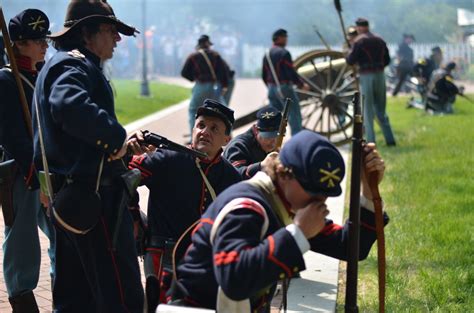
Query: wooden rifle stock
16, 74
379, 225
283, 124
354, 210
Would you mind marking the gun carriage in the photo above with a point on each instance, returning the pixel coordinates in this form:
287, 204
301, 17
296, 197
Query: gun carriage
326, 107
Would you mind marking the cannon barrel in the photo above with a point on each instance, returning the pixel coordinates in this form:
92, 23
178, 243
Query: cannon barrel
311, 70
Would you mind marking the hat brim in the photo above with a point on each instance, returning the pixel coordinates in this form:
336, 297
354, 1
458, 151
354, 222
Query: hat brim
199, 44
335, 192
122, 28
208, 112
268, 134
43, 36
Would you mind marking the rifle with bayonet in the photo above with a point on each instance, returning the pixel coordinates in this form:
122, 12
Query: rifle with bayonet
354, 207
283, 124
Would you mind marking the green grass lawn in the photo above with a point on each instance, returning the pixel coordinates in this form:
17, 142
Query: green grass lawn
129, 106
429, 195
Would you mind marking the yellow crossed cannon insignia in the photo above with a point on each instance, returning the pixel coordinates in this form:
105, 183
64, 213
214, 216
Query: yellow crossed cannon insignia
330, 176
37, 23
268, 115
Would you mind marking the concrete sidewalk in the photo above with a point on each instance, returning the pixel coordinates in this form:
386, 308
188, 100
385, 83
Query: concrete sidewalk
315, 291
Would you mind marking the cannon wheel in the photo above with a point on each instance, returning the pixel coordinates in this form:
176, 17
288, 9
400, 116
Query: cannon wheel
327, 107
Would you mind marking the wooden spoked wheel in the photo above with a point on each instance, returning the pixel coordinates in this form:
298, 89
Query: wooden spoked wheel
326, 107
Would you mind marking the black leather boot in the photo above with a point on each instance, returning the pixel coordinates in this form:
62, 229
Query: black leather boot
24, 303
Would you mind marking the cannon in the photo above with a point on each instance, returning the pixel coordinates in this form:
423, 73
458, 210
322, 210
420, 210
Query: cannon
327, 107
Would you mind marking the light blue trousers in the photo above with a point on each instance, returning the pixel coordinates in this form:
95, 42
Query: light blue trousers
230, 89
373, 90
21, 248
201, 92
294, 116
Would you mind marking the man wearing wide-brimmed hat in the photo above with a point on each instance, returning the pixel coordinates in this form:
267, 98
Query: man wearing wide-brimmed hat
19, 188
83, 143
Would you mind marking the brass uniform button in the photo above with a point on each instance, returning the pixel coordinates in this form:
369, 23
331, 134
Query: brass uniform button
106, 146
99, 142
282, 276
295, 269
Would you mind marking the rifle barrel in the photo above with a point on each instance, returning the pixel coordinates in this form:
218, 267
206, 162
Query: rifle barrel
283, 124
164, 143
354, 210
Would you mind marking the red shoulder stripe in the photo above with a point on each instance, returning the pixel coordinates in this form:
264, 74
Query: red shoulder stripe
201, 223
251, 205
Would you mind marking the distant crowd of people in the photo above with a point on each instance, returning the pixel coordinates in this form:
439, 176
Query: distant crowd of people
167, 51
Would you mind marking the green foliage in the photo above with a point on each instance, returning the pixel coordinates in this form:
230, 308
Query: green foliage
428, 192
129, 106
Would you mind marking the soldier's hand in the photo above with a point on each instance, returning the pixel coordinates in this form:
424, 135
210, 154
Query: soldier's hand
268, 161
120, 154
135, 146
311, 219
372, 163
306, 87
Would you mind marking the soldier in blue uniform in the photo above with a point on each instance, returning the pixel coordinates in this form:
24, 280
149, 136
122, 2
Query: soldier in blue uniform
181, 188
405, 61
257, 231
210, 73
280, 77
442, 90
371, 54
21, 248
426, 66
96, 271
249, 152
